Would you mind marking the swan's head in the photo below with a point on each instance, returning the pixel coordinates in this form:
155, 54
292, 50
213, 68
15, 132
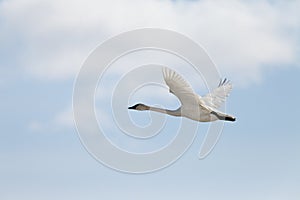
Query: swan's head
139, 106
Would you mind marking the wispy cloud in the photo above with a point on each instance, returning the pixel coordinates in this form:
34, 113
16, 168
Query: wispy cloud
241, 37
61, 121
49, 40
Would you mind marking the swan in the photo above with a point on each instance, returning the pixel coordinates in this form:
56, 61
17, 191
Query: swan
193, 106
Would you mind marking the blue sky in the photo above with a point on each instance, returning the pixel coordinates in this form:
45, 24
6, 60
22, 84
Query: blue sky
255, 44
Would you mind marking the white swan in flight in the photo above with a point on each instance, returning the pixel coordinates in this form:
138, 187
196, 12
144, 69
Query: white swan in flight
193, 106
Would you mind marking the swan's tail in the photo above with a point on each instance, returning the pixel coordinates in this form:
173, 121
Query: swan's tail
223, 116
229, 118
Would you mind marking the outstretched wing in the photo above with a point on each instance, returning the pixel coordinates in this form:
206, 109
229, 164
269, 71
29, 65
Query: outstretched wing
179, 87
217, 97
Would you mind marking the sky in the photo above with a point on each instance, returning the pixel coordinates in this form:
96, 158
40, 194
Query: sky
253, 43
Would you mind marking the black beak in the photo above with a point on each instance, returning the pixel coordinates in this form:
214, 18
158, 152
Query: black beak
134, 107
131, 107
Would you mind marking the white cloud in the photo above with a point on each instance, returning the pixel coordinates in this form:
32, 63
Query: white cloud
35, 126
241, 37
62, 121
65, 118
50, 39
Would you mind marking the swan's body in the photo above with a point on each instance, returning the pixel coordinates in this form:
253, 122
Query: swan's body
193, 106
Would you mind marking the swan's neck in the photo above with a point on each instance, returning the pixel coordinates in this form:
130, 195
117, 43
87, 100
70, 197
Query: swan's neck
166, 111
